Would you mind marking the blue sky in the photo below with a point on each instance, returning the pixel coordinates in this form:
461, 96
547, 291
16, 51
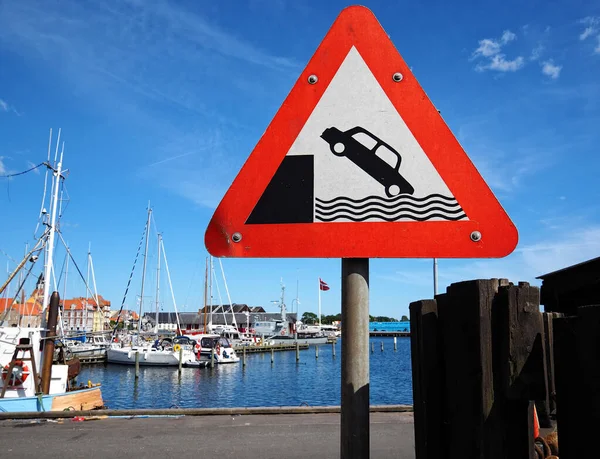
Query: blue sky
164, 101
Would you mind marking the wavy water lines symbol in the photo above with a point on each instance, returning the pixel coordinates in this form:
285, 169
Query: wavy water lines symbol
403, 207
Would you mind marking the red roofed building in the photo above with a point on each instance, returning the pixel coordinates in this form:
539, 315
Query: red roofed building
26, 314
84, 314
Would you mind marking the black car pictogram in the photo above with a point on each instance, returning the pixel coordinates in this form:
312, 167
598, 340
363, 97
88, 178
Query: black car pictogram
380, 161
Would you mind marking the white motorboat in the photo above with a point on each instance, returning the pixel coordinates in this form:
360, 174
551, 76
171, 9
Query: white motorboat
209, 345
150, 355
94, 347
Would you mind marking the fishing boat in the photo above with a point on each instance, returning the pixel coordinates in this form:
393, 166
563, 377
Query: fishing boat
29, 381
282, 331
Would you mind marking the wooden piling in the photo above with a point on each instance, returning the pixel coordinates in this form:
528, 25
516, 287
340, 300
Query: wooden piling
474, 390
316, 351
272, 356
48, 344
244, 356
212, 357
297, 351
180, 360
372, 347
333, 349
428, 377
577, 367
382, 346
137, 364
395, 344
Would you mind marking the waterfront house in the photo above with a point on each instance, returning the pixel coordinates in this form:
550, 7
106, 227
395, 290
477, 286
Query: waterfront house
245, 317
85, 314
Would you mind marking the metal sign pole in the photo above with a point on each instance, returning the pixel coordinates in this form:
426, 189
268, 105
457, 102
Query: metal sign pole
355, 359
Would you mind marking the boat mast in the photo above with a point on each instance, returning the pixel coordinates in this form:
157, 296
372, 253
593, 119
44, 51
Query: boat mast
283, 308
157, 283
96, 299
87, 288
205, 292
52, 229
61, 316
144, 269
228, 296
171, 286
210, 293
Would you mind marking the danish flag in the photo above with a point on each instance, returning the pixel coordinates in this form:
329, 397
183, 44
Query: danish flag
323, 285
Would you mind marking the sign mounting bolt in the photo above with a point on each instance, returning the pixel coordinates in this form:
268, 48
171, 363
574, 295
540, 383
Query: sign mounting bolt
397, 77
476, 236
236, 237
313, 79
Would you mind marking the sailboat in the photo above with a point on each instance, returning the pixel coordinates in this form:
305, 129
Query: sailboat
216, 341
22, 388
152, 353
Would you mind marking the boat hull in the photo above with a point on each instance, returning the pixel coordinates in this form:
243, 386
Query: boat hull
82, 399
292, 340
148, 357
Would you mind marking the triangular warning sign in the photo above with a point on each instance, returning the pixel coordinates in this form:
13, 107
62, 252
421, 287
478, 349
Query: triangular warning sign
358, 163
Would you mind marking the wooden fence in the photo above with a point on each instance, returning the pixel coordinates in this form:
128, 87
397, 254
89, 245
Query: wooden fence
484, 355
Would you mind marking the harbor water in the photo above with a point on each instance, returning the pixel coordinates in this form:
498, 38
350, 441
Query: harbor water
311, 381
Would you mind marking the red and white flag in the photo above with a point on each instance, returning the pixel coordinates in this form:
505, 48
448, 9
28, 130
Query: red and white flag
323, 285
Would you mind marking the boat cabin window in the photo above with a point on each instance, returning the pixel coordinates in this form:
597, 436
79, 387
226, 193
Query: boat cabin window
208, 342
224, 342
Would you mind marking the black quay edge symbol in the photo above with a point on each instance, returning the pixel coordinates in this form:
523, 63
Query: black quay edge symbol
388, 175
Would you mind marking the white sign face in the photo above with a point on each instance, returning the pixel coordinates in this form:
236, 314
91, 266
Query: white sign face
366, 163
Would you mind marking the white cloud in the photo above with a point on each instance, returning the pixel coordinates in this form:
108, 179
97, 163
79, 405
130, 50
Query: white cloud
501, 64
2, 166
536, 53
489, 51
550, 69
508, 36
487, 47
597, 48
149, 59
592, 24
3, 106
586, 33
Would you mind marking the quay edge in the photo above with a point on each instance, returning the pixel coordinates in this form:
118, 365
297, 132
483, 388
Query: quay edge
197, 412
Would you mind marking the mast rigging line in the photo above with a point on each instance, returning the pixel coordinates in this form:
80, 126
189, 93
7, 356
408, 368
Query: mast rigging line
137, 255
23, 172
41, 242
7, 310
77, 268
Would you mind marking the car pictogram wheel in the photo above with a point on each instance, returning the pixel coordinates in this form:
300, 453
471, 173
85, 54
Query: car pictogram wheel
338, 149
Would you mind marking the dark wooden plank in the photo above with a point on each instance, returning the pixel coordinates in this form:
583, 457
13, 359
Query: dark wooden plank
465, 313
428, 379
523, 365
546, 408
519, 370
568, 395
588, 378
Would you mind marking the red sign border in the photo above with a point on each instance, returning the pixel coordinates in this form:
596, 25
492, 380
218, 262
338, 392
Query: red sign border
357, 26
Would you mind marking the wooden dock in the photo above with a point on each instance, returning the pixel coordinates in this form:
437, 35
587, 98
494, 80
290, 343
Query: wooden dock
94, 359
269, 347
383, 333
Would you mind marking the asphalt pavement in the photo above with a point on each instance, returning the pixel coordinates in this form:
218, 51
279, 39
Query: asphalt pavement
282, 436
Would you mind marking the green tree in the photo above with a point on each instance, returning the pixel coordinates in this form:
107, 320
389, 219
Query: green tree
404, 319
309, 318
